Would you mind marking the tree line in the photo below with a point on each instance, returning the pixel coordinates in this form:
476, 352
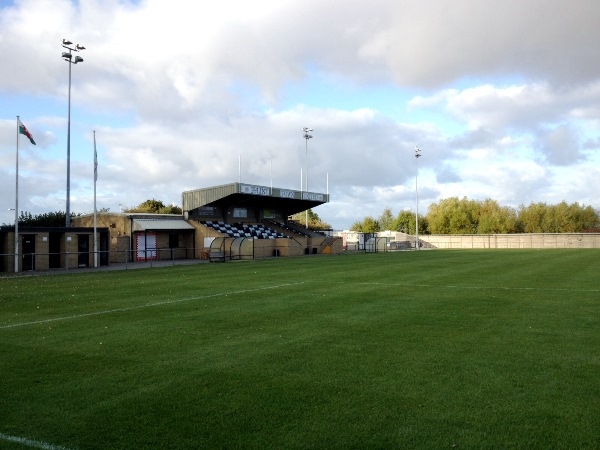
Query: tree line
464, 216
57, 219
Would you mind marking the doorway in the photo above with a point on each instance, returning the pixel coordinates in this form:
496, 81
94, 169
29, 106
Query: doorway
28, 252
83, 250
54, 249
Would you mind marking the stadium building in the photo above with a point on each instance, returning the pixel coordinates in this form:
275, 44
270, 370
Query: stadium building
231, 221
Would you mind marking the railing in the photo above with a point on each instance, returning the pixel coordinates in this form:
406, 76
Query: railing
65, 261
222, 249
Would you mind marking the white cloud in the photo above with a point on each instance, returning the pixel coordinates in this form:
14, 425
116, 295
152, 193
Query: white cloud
502, 98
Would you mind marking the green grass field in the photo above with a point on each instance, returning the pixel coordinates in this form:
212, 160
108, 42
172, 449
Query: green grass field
430, 349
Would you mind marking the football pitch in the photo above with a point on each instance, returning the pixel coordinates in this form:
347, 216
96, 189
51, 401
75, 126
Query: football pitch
429, 349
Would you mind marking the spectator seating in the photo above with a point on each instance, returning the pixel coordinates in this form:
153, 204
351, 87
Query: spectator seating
254, 231
294, 230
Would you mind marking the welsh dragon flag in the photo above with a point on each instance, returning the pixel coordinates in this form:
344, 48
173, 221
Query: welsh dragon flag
23, 130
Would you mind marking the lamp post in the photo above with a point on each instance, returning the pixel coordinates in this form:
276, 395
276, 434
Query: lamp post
417, 156
68, 56
307, 136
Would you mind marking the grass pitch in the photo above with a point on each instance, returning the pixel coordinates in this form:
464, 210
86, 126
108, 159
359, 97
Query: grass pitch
430, 349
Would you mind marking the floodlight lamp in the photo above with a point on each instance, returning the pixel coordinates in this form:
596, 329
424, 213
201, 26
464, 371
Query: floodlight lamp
306, 129
66, 55
78, 59
67, 42
80, 47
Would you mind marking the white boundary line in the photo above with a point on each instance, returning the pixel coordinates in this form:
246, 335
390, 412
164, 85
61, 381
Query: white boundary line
147, 305
31, 442
500, 288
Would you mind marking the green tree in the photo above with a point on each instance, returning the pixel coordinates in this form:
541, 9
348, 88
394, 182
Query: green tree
423, 225
451, 216
368, 225
51, 219
405, 222
154, 207
170, 209
386, 220
464, 216
590, 219
560, 218
565, 218
314, 221
494, 219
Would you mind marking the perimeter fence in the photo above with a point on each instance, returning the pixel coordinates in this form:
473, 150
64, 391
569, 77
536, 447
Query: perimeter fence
221, 249
121, 259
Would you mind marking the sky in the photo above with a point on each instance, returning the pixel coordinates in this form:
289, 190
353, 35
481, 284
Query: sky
502, 99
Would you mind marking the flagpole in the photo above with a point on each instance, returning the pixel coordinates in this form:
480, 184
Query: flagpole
95, 224
17, 204
271, 174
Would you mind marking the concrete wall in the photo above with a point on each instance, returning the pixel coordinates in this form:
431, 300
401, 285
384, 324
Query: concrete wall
506, 241
119, 226
499, 241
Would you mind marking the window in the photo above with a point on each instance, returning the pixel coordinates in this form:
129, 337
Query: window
240, 212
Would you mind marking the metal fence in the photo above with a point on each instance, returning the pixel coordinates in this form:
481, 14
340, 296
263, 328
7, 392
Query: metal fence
125, 259
221, 249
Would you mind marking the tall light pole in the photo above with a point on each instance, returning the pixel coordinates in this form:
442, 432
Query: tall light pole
68, 56
417, 156
307, 136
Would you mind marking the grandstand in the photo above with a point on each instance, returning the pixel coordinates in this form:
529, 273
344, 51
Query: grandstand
238, 202
227, 217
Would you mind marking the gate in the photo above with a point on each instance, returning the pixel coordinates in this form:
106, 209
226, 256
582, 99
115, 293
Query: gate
377, 244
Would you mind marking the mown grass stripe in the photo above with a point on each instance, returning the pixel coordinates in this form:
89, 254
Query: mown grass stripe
147, 305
